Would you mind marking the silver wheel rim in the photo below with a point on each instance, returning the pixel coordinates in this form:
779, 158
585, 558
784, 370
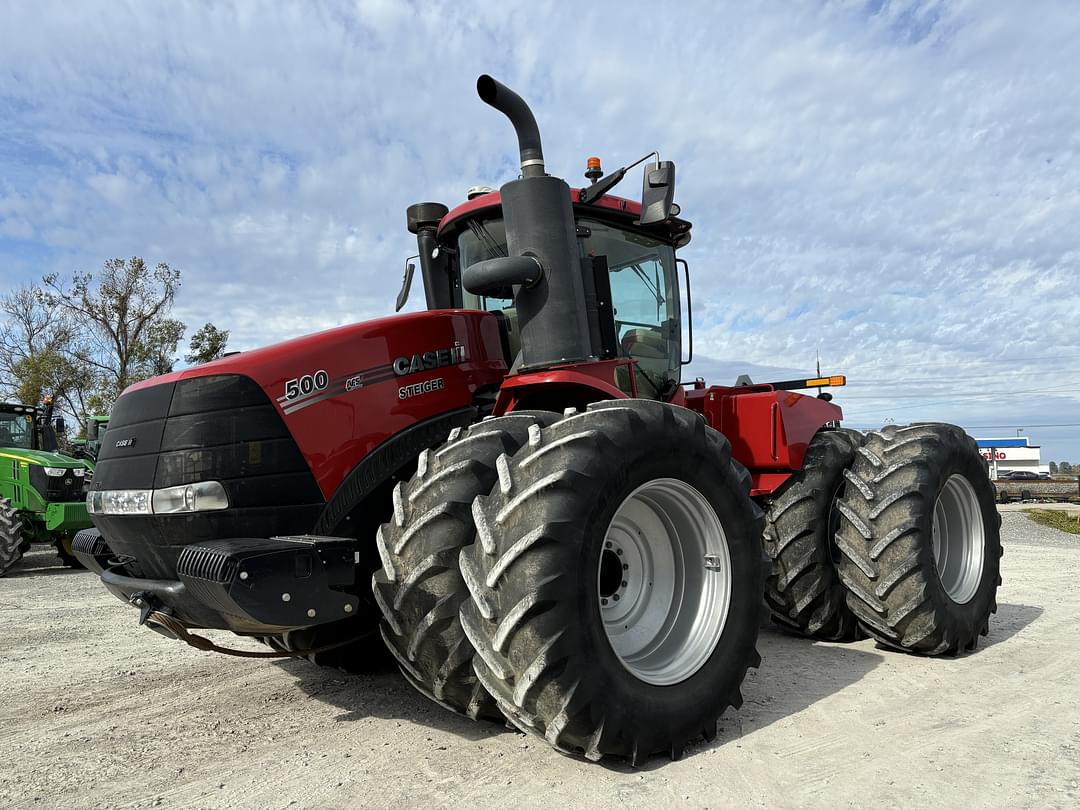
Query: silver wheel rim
958, 539
664, 580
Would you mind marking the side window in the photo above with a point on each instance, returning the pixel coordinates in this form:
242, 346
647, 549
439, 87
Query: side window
644, 297
484, 239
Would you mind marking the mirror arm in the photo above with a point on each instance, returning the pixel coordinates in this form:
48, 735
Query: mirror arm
591, 194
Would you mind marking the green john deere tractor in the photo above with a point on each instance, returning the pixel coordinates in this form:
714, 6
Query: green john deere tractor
42, 492
88, 447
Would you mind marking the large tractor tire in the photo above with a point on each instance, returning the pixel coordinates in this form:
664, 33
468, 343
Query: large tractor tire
803, 591
419, 588
919, 539
11, 539
616, 582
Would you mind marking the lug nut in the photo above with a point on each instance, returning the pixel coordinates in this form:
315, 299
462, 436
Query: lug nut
607, 544
615, 597
286, 597
618, 551
625, 567
348, 608
624, 583
243, 575
603, 601
311, 613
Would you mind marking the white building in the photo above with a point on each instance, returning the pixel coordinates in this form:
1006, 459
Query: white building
1009, 454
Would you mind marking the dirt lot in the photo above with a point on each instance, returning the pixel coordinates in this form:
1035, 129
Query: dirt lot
99, 713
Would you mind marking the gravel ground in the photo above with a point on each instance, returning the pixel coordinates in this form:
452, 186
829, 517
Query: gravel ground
100, 713
1018, 528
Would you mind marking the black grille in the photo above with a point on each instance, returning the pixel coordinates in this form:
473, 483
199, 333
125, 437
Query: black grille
57, 489
206, 563
222, 428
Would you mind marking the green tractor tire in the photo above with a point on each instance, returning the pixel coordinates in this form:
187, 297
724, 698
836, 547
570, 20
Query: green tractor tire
11, 539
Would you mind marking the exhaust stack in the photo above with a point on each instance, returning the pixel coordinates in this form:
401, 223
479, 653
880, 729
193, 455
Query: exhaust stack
513, 106
543, 265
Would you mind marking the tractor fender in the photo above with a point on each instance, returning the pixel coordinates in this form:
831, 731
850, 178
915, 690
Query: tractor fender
393, 456
558, 388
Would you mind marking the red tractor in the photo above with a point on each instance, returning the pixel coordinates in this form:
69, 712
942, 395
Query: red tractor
558, 531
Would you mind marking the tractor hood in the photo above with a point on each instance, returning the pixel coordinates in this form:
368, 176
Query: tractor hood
41, 457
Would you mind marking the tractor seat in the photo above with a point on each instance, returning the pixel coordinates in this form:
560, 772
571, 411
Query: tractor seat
649, 348
651, 351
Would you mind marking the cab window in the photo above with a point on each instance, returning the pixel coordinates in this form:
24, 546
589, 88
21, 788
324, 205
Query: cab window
644, 297
644, 294
16, 430
484, 239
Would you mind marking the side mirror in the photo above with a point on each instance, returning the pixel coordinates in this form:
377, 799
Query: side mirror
59, 424
406, 285
657, 192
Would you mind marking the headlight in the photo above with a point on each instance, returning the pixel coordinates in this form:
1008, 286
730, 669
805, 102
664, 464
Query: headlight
79, 472
204, 496
55, 472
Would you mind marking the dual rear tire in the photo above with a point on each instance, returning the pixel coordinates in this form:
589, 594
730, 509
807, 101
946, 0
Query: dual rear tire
919, 540
803, 591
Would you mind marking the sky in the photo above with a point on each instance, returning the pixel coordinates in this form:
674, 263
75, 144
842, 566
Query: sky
893, 185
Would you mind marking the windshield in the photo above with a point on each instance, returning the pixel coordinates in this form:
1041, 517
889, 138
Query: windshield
17, 430
644, 289
485, 239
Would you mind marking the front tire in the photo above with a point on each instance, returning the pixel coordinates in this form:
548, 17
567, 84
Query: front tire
11, 540
419, 588
561, 657
920, 539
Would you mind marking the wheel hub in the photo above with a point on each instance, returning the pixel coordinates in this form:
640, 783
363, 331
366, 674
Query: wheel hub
958, 539
664, 581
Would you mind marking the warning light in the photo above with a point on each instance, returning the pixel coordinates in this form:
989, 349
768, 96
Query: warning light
817, 382
592, 169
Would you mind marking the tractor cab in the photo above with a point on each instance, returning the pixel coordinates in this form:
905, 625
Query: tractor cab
628, 268
29, 427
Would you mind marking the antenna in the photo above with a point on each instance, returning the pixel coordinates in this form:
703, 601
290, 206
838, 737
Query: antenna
819, 362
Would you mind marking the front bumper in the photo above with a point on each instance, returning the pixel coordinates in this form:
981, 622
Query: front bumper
66, 516
262, 586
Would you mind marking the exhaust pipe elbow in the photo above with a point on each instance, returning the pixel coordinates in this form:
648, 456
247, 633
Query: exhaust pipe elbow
510, 104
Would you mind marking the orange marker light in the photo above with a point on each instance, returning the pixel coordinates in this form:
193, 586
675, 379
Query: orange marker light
592, 169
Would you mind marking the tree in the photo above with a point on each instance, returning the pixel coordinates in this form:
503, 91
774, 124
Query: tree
34, 357
1053, 468
1065, 467
125, 333
207, 344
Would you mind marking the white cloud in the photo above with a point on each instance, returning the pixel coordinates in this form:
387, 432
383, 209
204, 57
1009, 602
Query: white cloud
895, 184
